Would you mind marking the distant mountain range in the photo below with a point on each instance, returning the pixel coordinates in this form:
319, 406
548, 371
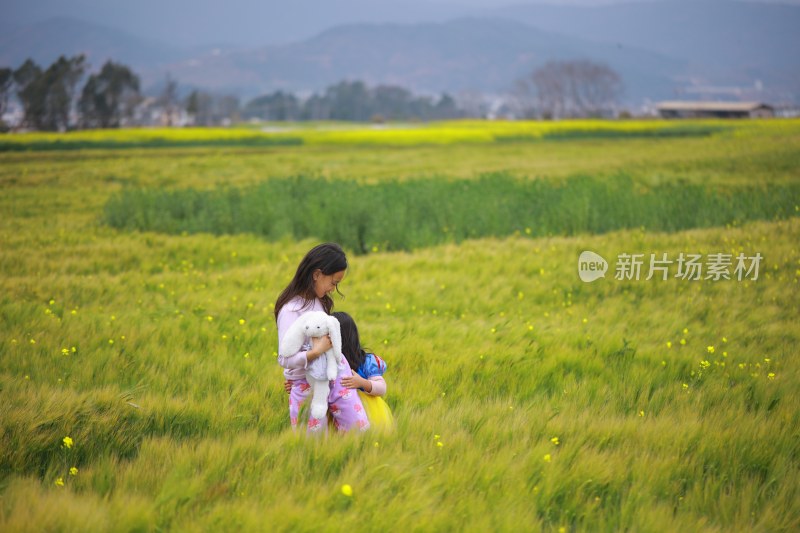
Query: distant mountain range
734, 42
484, 55
661, 49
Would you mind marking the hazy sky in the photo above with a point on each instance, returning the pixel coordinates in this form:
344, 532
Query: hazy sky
250, 22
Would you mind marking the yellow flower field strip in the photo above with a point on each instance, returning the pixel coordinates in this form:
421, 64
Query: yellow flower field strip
439, 133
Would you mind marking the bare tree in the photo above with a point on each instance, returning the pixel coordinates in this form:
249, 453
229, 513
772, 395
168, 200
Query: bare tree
169, 101
570, 89
596, 88
523, 98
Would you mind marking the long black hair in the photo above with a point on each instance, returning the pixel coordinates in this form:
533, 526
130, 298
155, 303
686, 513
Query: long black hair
329, 258
351, 344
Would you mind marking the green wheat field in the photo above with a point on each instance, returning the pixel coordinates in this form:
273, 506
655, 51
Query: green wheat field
139, 388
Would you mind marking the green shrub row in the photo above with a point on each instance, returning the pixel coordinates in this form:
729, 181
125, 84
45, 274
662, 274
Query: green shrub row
405, 215
689, 130
110, 144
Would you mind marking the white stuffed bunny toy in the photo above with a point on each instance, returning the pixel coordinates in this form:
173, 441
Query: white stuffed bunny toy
325, 368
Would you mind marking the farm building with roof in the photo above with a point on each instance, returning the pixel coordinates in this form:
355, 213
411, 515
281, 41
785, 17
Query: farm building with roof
714, 110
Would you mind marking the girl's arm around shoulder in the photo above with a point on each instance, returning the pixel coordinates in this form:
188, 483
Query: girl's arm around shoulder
374, 386
369, 376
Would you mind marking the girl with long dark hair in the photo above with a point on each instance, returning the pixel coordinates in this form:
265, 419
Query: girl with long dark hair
318, 274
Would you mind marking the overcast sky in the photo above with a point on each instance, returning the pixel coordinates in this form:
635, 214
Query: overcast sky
251, 22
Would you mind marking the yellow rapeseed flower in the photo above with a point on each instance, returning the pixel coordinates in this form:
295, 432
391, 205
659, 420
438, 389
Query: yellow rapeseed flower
242, 321
547, 458
73, 471
669, 344
60, 482
555, 441
440, 444
771, 375
683, 342
710, 349
347, 490
67, 442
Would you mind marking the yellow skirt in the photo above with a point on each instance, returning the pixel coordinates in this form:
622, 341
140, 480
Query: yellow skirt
378, 412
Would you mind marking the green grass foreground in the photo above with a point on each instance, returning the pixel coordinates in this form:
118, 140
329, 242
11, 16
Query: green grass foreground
525, 399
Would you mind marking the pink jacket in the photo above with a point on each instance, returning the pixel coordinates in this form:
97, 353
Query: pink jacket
295, 365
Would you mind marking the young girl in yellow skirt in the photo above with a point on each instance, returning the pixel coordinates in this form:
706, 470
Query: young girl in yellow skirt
368, 371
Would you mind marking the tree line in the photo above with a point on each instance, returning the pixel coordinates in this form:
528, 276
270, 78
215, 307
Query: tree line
49, 100
353, 101
112, 97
